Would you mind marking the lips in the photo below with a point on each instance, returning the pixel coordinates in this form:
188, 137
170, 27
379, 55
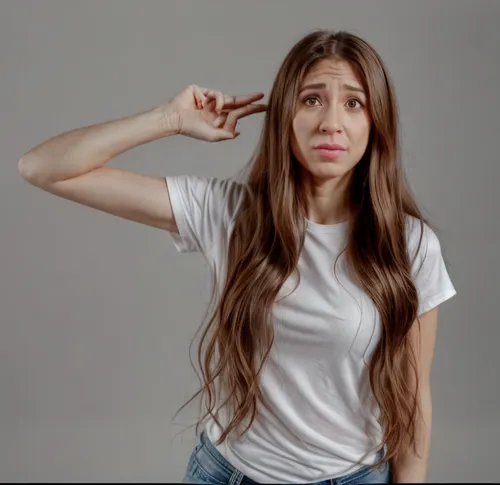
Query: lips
330, 151
329, 146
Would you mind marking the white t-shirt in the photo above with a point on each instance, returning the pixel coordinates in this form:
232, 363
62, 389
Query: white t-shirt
321, 417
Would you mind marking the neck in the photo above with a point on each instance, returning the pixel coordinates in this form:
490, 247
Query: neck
327, 200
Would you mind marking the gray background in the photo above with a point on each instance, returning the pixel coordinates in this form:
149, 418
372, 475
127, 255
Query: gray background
97, 313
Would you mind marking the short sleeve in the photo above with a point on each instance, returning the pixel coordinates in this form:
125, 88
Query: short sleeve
430, 274
203, 209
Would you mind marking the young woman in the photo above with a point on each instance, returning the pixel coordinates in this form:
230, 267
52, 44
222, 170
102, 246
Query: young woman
317, 358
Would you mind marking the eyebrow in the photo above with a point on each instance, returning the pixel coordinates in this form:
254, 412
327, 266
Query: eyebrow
346, 87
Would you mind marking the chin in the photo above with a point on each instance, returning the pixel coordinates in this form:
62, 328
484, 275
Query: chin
327, 170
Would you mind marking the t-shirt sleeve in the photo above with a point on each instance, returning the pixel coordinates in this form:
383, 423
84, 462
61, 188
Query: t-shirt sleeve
429, 270
202, 208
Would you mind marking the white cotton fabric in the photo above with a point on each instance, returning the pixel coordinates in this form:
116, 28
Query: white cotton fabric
321, 417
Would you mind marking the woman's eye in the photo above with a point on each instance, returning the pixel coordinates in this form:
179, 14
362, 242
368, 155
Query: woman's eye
354, 101
308, 99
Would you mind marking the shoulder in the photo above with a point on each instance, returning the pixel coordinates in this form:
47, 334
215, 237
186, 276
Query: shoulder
420, 238
204, 209
425, 250
214, 186
208, 193
428, 265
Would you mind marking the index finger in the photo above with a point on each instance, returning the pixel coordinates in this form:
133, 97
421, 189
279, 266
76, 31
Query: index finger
241, 100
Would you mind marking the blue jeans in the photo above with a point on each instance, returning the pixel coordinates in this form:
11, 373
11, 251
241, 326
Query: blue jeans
207, 466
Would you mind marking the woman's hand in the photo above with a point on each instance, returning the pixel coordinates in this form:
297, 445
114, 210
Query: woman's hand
208, 115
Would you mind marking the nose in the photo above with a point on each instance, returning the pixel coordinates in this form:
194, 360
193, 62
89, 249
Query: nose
331, 121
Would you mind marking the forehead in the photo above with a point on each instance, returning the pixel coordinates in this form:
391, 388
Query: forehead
332, 69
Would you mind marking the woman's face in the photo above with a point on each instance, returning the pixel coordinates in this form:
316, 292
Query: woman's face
330, 109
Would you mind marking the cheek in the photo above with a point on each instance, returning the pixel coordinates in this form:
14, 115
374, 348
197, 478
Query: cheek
299, 137
301, 127
361, 132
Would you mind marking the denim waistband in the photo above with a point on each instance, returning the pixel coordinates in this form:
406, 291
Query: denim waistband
349, 478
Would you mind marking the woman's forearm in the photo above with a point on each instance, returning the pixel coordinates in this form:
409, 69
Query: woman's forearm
409, 467
82, 150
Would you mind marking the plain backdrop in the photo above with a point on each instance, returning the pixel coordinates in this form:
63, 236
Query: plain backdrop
97, 313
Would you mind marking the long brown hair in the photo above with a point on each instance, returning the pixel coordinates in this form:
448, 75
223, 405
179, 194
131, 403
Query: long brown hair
268, 236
